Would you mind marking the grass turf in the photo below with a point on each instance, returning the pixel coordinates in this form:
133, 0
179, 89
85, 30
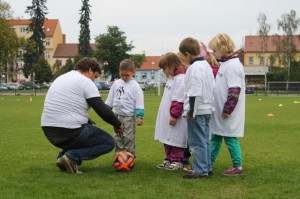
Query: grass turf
270, 150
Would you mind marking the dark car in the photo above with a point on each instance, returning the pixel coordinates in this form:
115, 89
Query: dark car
102, 85
249, 90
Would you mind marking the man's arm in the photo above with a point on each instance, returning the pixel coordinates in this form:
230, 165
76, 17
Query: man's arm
104, 111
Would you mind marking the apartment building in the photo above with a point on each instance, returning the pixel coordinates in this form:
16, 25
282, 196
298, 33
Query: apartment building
53, 37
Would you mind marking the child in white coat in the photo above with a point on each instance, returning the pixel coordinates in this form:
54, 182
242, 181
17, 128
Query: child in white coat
229, 116
173, 133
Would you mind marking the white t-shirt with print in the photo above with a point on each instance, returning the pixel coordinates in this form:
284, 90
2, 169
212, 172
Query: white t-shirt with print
125, 97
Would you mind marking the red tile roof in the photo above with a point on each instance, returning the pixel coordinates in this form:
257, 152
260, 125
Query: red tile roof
253, 43
151, 63
69, 50
49, 24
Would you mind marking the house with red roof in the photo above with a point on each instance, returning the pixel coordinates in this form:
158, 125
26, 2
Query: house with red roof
150, 71
52, 31
258, 57
65, 51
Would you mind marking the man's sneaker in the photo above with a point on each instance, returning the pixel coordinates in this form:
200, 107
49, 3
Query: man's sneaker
60, 164
233, 171
211, 172
70, 166
188, 168
192, 175
164, 164
174, 166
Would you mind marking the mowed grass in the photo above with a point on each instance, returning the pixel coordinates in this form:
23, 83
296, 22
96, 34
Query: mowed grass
271, 153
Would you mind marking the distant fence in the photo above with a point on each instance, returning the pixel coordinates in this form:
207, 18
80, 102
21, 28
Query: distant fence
283, 88
43, 91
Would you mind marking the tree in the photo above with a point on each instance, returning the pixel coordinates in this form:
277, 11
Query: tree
84, 47
138, 59
37, 11
29, 58
263, 31
64, 69
5, 10
112, 49
289, 24
42, 70
9, 44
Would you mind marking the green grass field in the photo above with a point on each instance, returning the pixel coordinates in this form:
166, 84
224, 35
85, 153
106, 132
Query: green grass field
271, 153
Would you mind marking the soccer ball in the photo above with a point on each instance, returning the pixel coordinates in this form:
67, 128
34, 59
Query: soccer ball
124, 161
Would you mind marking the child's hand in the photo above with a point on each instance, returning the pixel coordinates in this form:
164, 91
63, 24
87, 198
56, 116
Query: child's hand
139, 121
172, 121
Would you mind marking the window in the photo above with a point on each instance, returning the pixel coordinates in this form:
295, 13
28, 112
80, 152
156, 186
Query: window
23, 29
250, 60
47, 55
261, 61
48, 42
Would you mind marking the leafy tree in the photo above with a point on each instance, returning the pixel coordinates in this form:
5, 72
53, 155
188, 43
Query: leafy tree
289, 24
138, 59
37, 11
84, 47
263, 31
29, 58
5, 10
64, 69
9, 44
42, 70
112, 48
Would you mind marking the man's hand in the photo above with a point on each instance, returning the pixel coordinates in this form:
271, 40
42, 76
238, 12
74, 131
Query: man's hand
119, 130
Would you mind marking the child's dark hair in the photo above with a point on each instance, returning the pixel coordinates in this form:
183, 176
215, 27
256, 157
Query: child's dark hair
127, 65
86, 63
189, 45
169, 62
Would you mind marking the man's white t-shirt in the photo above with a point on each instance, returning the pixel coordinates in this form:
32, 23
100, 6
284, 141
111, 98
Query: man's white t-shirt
65, 103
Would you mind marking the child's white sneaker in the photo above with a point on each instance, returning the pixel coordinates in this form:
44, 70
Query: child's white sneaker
174, 166
164, 164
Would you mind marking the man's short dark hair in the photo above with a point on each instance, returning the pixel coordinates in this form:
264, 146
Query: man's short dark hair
86, 63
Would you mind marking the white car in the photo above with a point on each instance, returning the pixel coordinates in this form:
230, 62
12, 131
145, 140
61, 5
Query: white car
144, 86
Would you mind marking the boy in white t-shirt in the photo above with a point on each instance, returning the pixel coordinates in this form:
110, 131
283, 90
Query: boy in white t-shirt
199, 85
126, 98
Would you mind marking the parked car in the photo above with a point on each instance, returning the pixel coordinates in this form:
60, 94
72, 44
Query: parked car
30, 85
144, 86
249, 90
3, 87
102, 85
15, 86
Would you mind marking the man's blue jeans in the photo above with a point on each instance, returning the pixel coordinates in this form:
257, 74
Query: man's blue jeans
90, 144
199, 144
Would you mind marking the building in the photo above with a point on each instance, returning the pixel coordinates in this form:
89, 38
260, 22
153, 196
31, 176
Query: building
65, 51
258, 59
53, 37
150, 71
256, 55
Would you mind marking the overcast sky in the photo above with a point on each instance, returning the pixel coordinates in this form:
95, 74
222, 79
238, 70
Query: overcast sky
158, 26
